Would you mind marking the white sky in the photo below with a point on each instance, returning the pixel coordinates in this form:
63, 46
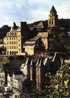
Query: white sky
31, 10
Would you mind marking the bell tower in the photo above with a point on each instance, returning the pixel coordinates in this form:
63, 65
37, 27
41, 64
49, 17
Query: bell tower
52, 19
52, 28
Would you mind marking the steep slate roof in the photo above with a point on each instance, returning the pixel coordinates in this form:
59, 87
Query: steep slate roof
53, 11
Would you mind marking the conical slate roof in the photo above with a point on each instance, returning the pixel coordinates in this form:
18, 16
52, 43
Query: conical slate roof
53, 11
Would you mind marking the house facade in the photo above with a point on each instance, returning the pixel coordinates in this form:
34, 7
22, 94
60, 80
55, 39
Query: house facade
12, 42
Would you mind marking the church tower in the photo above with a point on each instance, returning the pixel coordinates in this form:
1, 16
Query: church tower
52, 20
52, 29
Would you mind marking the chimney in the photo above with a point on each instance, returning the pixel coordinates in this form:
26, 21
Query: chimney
23, 27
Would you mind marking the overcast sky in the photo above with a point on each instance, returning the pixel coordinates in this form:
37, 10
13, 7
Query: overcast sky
31, 10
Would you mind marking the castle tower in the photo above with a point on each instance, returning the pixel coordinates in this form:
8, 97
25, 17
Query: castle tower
52, 20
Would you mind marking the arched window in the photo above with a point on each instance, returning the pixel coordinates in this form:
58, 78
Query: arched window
39, 46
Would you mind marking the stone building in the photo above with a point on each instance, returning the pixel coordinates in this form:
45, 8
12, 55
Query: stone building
52, 20
57, 33
12, 42
53, 40
30, 45
50, 36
